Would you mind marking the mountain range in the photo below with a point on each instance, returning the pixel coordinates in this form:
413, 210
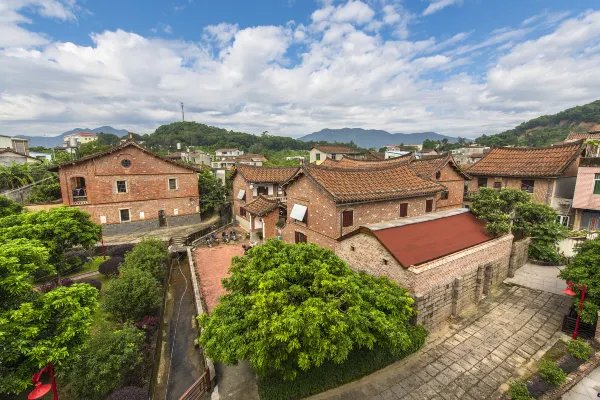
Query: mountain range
369, 138
53, 141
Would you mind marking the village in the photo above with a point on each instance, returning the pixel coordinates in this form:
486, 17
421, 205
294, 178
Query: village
474, 240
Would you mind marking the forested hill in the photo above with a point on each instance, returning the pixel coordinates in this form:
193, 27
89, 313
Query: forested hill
166, 137
548, 129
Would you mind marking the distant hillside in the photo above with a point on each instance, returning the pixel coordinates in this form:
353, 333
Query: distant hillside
53, 141
368, 138
548, 129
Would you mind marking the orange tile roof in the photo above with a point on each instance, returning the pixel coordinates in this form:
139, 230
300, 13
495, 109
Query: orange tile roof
527, 162
574, 136
336, 149
261, 206
426, 167
353, 185
328, 162
347, 162
265, 174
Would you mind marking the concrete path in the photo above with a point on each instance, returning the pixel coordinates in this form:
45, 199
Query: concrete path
538, 277
587, 389
475, 357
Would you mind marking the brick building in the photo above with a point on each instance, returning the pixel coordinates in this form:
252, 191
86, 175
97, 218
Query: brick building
318, 154
445, 259
548, 173
325, 203
250, 183
128, 188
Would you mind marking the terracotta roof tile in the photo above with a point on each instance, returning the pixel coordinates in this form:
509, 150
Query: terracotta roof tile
336, 149
261, 206
266, 174
347, 185
347, 162
426, 167
527, 162
574, 136
328, 162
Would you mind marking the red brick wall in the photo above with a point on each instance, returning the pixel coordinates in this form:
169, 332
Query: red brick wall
542, 188
324, 216
240, 183
270, 221
455, 183
147, 186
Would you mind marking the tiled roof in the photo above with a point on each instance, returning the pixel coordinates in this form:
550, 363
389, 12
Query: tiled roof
178, 154
249, 157
527, 162
347, 162
574, 136
345, 185
412, 243
261, 206
426, 167
374, 155
336, 149
253, 173
328, 162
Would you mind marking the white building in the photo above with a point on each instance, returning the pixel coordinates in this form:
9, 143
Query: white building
19, 145
318, 154
72, 142
464, 155
9, 156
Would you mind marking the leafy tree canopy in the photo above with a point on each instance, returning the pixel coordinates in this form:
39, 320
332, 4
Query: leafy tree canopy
109, 139
292, 307
212, 193
9, 207
149, 255
92, 147
133, 295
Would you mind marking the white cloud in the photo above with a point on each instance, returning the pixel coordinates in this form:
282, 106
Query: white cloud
438, 5
295, 79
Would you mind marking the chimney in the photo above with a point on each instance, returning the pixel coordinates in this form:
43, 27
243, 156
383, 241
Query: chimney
129, 135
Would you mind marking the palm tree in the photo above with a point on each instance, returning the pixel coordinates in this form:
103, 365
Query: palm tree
15, 176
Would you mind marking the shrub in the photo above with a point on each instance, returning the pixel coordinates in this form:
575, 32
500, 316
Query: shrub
119, 250
108, 361
129, 393
66, 282
149, 255
110, 266
148, 324
44, 193
579, 349
518, 391
9, 207
132, 296
551, 372
93, 282
75, 259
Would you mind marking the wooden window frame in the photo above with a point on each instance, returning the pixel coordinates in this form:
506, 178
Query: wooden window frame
300, 237
405, 206
242, 212
429, 205
318, 156
526, 187
169, 183
117, 186
128, 214
347, 218
480, 180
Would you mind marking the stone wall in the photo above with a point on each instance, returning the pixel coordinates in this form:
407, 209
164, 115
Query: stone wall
518, 255
149, 225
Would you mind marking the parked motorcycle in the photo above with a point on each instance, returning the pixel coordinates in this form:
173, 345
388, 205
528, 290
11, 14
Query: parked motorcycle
224, 237
232, 235
208, 242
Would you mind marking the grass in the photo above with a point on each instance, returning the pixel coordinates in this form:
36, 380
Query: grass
88, 267
101, 321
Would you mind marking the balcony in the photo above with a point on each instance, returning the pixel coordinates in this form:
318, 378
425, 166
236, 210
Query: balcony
79, 200
282, 199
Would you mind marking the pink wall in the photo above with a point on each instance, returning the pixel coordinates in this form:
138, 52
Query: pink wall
584, 189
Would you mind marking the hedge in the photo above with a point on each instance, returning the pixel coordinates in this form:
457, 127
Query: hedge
329, 375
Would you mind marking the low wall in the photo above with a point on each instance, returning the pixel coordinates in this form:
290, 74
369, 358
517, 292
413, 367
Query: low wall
149, 225
518, 256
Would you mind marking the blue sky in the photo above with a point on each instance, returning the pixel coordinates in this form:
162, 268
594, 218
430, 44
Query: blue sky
292, 67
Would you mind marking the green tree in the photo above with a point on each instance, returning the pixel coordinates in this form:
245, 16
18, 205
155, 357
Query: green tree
44, 193
133, 295
48, 328
292, 307
584, 269
108, 139
90, 148
429, 144
149, 255
9, 207
15, 176
213, 195
61, 157
108, 361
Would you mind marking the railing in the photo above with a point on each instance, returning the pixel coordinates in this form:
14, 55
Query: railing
199, 388
80, 200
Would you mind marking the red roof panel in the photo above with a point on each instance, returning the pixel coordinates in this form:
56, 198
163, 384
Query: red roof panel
414, 244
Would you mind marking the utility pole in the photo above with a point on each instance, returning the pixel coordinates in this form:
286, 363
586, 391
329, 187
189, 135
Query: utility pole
182, 114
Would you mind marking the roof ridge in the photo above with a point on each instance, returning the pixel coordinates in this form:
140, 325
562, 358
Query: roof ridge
574, 143
342, 168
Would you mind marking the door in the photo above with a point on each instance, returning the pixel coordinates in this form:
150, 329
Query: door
162, 218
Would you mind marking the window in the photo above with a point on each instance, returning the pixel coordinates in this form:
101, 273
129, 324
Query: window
527, 185
172, 183
347, 218
333, 156
318, 156
242, 212
385, 262
124, 214
126, 163
403, 210
300, 237
264, 190
497, 185
563, 220
481, 182
429, 205
121, 186
597, 184
438, 175
444, 195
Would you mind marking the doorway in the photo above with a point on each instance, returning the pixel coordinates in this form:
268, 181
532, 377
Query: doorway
162, 218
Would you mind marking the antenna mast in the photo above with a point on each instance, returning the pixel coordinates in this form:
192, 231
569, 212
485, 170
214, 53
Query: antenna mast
182, 114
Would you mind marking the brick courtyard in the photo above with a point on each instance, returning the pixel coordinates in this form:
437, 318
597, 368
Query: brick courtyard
212, 265
478, 354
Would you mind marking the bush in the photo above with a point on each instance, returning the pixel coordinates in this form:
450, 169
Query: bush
518, 391
9, 207
119, 250
77, 258
132, 296
360, 362
129, 393
149, 255
551, 372
66, 282
148, 324
579, 349
108, 361
110, 266
93, 282
53, 284
44, 193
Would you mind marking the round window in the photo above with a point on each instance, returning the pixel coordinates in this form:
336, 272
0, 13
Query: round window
126, 163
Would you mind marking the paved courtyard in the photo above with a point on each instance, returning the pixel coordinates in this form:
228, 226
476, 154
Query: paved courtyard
539, 277
587, 389
476, 355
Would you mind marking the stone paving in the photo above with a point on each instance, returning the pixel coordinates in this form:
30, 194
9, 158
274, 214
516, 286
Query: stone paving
538, 277
587, 389
477, 355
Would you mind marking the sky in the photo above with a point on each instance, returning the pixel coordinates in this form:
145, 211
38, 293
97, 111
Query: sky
292, 67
